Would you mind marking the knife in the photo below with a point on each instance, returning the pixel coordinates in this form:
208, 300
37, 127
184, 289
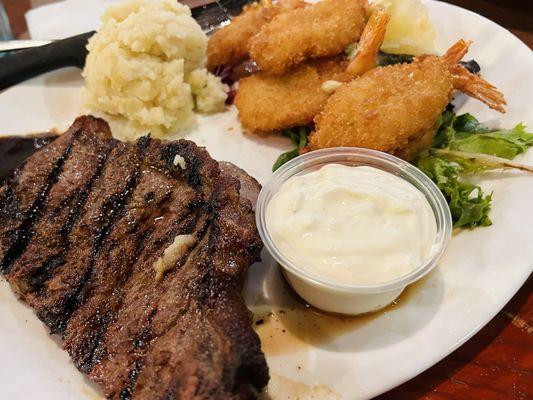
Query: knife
72, 51
11, 45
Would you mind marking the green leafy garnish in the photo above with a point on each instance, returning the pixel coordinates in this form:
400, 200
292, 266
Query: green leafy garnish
385, 59
465, 133
468, 204
298, 138
464, 146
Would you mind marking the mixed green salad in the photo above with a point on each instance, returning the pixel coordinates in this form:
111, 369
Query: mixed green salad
462, 147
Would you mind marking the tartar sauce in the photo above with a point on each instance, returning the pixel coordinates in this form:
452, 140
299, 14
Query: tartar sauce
353, 225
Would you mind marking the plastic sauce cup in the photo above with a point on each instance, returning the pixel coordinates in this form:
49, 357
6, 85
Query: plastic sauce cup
343, 298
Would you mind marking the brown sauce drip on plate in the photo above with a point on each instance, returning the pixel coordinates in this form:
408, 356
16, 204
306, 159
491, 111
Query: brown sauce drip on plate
15, 149
280, 387
295, 326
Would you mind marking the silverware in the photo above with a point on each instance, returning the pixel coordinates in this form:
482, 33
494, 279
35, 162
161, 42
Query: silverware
12, 45
25, 64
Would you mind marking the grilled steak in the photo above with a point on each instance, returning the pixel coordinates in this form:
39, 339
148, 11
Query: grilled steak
85, 219
249, 188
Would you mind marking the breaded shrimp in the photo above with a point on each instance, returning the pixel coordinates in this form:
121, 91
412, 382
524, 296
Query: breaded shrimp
323, 29
228, 45
272, 102
395, 108
269, 102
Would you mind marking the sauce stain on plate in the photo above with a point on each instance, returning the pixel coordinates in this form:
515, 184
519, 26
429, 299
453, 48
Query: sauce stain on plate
280, 387
15, 149
295, 326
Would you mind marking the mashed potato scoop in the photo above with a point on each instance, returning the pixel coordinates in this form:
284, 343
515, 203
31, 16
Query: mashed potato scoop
145, 71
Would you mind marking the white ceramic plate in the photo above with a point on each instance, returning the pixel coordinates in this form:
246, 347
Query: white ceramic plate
309, 355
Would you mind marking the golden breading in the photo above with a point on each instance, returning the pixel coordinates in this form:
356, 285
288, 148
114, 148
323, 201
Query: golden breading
228, 45
273, 102
395, 108
323, 29
385, 108
415, 145
269, 103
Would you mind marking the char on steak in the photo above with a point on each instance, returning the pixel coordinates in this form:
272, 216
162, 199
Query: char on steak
83, 222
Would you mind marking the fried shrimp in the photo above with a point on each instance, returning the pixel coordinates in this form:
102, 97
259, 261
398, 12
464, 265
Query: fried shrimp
269, 103
272, 102
228, 45
323, 29
395, 109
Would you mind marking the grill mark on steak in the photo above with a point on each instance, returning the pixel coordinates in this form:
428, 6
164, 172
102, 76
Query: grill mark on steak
62, 208
63, 293
168, 313
174, 330
180, 307
118, 347
43, 273
25, 186
193, 354
134, 234
126, 393
90, 321
77, 296
187, 336
75, 212
140, 342
23, 234
38, 277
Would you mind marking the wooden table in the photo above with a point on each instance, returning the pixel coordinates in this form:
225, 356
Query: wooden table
497, 363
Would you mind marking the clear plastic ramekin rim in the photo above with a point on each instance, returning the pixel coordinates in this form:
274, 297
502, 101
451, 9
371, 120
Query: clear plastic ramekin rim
358, 156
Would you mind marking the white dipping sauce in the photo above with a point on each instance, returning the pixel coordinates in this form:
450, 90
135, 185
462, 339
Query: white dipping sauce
353, 225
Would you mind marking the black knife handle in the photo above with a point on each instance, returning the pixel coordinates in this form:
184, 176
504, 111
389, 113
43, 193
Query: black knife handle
25, 64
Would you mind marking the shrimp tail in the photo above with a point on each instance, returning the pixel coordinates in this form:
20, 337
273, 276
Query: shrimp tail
477, 87
369, 44
471, 84
457, 51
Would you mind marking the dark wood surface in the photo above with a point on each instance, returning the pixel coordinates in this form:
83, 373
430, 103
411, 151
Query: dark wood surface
497, 363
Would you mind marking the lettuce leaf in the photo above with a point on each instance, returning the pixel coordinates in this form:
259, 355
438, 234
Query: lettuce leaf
466, 133
298, 137
502, 143
464, 146
468, 204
